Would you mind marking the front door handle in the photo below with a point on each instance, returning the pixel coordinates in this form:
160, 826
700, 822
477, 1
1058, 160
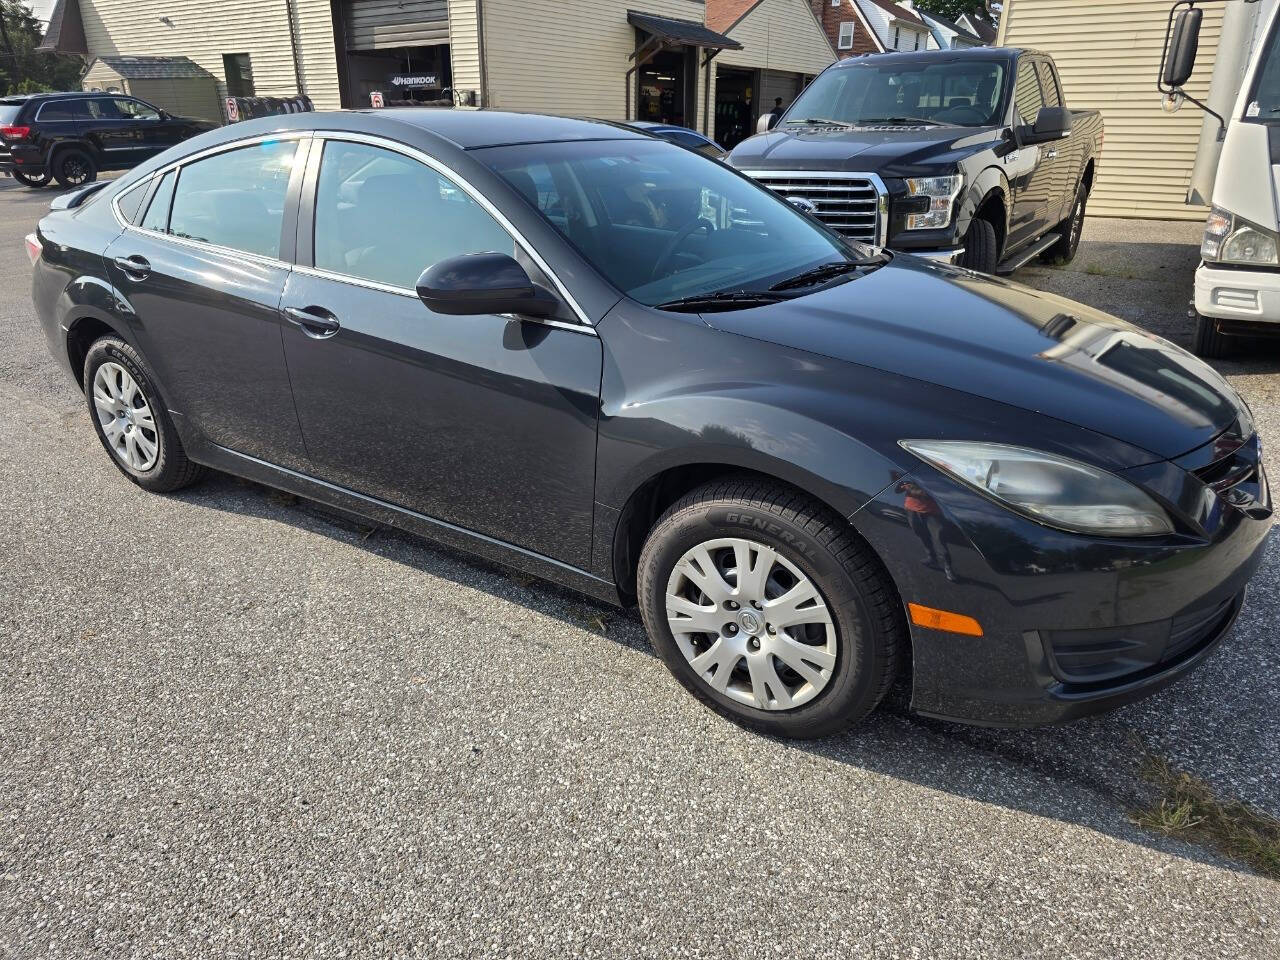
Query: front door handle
315, 322
134, 267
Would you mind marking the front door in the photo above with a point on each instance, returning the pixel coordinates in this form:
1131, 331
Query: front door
485, 422
155, 133
1029, 168
202, 271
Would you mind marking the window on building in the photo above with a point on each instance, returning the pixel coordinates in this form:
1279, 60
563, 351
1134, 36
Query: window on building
235, 199
1049, 84
846, 35
917, 41
238, 71
136, 110
1026, 92
370, 207
897, 38
157, 216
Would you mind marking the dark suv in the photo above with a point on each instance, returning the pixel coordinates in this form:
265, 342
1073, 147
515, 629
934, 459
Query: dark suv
71, 136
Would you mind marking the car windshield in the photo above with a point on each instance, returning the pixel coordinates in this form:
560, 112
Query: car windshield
663, 223
965, 93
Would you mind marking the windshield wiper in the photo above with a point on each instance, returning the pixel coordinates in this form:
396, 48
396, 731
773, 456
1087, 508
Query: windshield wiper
898, 120
817, 122
725, 300
826, 271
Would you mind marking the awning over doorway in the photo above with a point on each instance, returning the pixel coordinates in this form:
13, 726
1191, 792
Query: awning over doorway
669, 30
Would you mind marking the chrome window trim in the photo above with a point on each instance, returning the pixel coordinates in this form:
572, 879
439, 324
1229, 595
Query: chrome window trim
762, 177
454, 178
230, 252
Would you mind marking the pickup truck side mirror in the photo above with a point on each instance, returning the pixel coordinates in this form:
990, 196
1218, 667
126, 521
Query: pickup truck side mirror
1052, 123
1181, 48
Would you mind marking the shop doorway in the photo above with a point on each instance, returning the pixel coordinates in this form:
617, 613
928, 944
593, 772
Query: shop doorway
664, 93
405, 76
735, 106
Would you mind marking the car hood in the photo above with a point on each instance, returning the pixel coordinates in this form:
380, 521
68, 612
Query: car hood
888, 151
1007, 343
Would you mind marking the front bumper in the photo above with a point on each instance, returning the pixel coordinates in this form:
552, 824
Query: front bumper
1247, 295
937, 256
1072, 625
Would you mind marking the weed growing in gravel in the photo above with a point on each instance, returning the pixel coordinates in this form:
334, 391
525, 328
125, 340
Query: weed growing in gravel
1188, 809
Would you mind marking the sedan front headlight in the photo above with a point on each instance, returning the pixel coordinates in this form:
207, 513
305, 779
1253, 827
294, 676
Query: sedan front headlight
1052, 490
940, 193
1229, 239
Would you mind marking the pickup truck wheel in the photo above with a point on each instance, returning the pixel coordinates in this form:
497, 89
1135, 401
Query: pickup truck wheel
981, 249
74, 168
1068, 231
767, 607
1209, 342
35, 180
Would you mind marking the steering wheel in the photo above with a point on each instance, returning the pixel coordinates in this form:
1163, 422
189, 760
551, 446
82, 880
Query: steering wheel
962, 115
685, 232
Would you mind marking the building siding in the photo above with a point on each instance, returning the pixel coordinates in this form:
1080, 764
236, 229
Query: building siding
780, 35
464, 47
1108, 56
259, 28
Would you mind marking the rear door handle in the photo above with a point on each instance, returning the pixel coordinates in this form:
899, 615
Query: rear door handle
134, 267
315, 322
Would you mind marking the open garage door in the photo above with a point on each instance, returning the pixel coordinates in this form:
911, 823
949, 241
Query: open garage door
387, 24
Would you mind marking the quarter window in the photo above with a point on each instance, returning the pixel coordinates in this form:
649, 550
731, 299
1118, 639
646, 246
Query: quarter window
1027, 92
386, 217
235, 199
157, 215
130, 202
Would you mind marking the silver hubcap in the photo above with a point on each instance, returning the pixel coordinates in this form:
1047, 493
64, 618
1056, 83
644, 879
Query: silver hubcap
751, 624
126, 418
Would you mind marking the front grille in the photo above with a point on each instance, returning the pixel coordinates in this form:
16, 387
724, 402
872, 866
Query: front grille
850, 203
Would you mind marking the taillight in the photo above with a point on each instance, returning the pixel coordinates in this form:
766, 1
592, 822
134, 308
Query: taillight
34, 247
15, 133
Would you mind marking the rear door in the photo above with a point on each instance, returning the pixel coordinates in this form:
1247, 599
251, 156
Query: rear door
118, 141
202, 271
1034, 170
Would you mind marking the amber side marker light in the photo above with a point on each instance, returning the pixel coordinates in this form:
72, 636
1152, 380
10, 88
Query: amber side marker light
944, 620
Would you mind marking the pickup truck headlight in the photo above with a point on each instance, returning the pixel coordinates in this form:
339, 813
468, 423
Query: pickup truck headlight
1052, 490
940, 192
1229, 239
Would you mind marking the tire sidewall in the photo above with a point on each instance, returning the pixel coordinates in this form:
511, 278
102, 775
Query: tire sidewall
854, 682
112, 349
61, 160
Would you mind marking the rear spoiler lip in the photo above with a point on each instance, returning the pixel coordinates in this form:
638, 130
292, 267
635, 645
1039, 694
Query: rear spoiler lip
74, 198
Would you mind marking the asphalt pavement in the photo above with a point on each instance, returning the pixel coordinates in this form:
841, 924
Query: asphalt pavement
232, 725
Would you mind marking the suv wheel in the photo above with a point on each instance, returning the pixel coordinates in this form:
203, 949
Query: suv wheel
36, 180
769, 609
131, 421
74, 168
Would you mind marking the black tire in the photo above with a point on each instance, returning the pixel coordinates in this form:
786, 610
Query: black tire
981, 247
35, 181
870, 628
1209, 342
171, 469
1068, 232
74, 168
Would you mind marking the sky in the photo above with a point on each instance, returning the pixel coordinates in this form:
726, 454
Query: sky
41, 8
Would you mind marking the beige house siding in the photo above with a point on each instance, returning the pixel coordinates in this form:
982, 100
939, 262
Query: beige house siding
464, 46
550, 56
259, 28
1108, 55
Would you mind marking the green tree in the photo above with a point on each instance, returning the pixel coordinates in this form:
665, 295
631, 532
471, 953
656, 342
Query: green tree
952, 9
23, 69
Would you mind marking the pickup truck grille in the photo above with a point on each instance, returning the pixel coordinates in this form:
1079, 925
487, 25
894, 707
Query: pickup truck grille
850, 203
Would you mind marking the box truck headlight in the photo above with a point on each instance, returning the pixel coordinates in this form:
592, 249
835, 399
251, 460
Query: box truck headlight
1228, 239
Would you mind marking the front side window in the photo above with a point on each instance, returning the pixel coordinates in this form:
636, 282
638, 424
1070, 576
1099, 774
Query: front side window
662, 223
235, 199
386, 217
135, 110
1048, 85
955, 93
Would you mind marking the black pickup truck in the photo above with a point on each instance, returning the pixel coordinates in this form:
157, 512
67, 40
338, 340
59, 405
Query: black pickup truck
968, 156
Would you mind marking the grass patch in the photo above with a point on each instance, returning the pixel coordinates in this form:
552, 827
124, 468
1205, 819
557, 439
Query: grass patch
1187, 808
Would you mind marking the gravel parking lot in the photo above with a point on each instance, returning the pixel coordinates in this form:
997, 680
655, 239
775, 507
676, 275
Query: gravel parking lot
232, 725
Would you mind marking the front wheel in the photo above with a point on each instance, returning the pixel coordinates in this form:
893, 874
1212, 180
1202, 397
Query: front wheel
768, 608
34, 180
981, 247
1210, 342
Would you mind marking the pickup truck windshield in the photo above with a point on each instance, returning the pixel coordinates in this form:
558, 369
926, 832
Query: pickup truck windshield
963, 93
1265, 101
665, 224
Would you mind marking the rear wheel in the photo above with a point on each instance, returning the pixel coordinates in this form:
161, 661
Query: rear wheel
131, 421
74, 168
1068, 232
1210, 342
769, 609
36, 180
981, 247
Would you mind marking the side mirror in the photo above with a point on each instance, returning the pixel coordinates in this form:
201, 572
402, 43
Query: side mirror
762, 125
1183, 44
1052, 123
483, 283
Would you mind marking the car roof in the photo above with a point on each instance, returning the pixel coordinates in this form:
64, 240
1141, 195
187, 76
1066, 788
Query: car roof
474, 129
933, 56
56, 95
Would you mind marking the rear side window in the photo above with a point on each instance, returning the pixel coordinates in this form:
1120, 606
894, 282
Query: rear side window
385, 217
157, 216
62, 110
1026, 92
236, 199
1049, 85
129, 203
